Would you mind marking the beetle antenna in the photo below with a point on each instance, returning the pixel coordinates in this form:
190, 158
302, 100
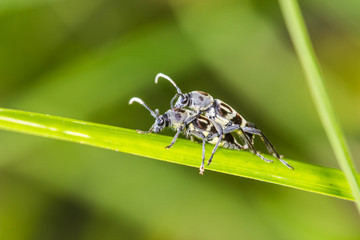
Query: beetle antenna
172, 101
136, 99
157, 113
159, 75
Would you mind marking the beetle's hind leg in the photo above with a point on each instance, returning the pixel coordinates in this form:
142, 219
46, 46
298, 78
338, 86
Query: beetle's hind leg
249, 146
269, 146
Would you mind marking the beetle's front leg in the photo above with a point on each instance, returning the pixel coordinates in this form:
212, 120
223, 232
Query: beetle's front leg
175, 137
146, 132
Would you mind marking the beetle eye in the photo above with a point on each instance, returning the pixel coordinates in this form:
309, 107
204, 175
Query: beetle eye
160, 121
184, 99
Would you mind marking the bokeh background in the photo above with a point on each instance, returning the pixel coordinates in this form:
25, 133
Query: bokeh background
85, 59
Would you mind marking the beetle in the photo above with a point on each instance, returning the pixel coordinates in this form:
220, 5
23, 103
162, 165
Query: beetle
221, 113
192, 124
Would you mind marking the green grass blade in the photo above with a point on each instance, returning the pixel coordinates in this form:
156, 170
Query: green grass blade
304, 49
307, 177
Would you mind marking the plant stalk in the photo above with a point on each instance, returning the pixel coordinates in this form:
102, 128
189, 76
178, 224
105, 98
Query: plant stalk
300, 38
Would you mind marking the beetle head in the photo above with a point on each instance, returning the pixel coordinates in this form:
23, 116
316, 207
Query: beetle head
161, 121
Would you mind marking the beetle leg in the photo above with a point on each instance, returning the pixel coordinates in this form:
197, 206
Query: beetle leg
174, 139
231, 128
146, 132
215, 148
203, 157
247, 141
267, 143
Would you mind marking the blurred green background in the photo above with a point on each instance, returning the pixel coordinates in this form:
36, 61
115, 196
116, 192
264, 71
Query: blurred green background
85, 59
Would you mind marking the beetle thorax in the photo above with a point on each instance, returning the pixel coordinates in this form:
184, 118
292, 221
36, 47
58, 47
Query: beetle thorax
200, 100
177, 117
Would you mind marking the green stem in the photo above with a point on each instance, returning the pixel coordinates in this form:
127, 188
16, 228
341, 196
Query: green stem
307, 177
304, 49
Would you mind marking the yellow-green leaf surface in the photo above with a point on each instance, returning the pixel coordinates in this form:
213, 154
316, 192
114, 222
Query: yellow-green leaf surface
307, 177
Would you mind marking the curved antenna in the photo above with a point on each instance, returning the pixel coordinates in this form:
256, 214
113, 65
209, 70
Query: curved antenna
136, 99
172, 101
159, 75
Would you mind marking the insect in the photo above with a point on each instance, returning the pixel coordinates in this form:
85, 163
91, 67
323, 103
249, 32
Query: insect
192, 124
223, 114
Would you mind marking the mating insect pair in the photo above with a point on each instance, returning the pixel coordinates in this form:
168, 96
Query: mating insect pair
197, 114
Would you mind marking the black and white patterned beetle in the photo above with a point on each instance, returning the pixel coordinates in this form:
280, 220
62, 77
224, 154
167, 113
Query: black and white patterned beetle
222, 113
192, 124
